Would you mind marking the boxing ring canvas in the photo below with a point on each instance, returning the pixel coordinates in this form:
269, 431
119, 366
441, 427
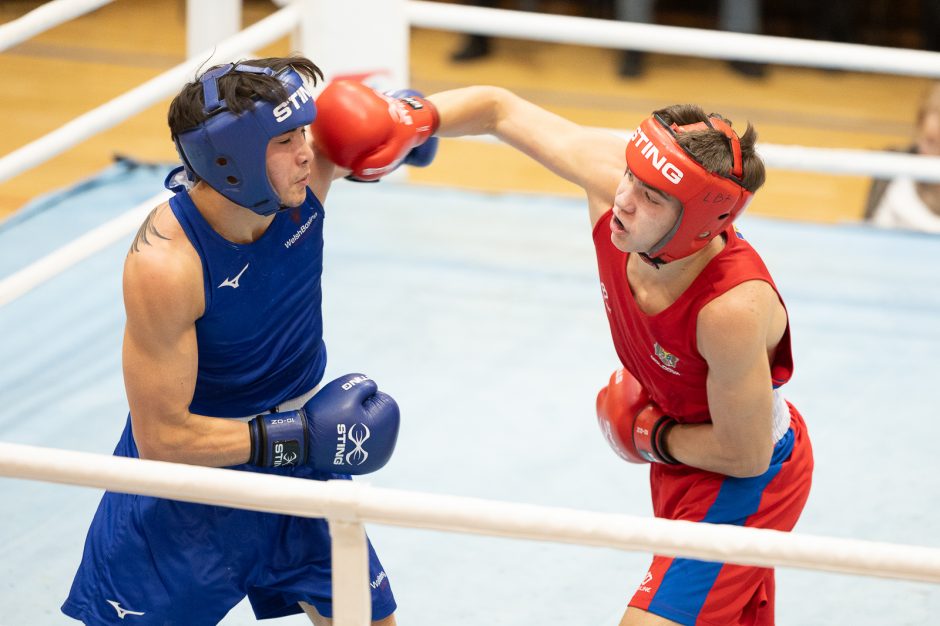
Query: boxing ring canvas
481, 315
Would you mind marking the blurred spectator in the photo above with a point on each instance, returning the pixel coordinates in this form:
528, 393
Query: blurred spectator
478, 46
847, 22
930, 24
737, 16
837, 21
903, 202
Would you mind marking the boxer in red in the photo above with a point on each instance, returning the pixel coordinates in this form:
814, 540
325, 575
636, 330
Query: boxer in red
701, 331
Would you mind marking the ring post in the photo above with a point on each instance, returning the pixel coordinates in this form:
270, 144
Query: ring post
335, 36
208, 23
352, 602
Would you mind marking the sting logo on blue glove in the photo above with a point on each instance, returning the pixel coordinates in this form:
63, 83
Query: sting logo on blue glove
357, 435
352, 382
286, 453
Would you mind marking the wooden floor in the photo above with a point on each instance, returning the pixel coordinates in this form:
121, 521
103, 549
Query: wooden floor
75, 67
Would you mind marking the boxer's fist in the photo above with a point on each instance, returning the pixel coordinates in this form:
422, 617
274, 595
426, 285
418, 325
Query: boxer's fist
353, 426
370, 133
631, 422
348, 427
422, 155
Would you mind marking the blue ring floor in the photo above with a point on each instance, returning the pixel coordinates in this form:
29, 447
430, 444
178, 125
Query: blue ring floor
481, 314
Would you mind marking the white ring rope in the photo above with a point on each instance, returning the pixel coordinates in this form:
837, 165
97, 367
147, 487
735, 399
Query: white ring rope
840, 161
545, 27
355, 502
850, 162
44, 17
671, 39
795, 158
470, 19
144, 95
714, 44
54, 263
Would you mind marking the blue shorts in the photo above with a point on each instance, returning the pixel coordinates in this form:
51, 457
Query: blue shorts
177, 563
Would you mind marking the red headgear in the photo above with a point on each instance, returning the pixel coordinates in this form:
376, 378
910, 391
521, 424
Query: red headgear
710, 201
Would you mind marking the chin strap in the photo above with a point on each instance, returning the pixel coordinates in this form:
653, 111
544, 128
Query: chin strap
656, 262
179, 179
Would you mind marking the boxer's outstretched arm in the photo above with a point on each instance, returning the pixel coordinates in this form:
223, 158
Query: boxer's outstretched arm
592, 159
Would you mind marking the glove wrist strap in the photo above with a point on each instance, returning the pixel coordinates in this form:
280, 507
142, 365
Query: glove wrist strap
649, 432
278, 439
663, 426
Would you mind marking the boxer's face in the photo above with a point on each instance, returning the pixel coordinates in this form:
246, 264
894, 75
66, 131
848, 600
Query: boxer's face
642, 215
289, 157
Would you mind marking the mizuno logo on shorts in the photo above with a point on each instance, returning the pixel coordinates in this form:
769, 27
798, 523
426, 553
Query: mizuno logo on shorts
122, 612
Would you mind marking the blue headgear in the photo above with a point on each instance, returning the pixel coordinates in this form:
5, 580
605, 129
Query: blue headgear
228, 151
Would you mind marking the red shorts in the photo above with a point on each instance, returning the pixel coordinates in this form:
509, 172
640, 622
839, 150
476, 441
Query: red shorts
704, 593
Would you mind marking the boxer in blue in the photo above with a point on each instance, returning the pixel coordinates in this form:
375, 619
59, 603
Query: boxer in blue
223, 356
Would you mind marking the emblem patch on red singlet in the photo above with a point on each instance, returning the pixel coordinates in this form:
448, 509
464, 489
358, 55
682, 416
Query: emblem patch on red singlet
667, 360
644, 586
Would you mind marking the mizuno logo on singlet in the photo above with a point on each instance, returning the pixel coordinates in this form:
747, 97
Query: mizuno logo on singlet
233, 282
121, 612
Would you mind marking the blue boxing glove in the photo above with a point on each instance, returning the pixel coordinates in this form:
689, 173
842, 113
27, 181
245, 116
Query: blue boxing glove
422, 155
348, 427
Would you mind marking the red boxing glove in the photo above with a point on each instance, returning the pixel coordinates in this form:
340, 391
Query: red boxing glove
367, 132
631, 422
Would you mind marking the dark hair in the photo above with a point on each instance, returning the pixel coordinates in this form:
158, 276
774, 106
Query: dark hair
712, 149
238, 89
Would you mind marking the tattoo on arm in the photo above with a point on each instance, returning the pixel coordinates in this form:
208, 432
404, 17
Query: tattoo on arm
146, 230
